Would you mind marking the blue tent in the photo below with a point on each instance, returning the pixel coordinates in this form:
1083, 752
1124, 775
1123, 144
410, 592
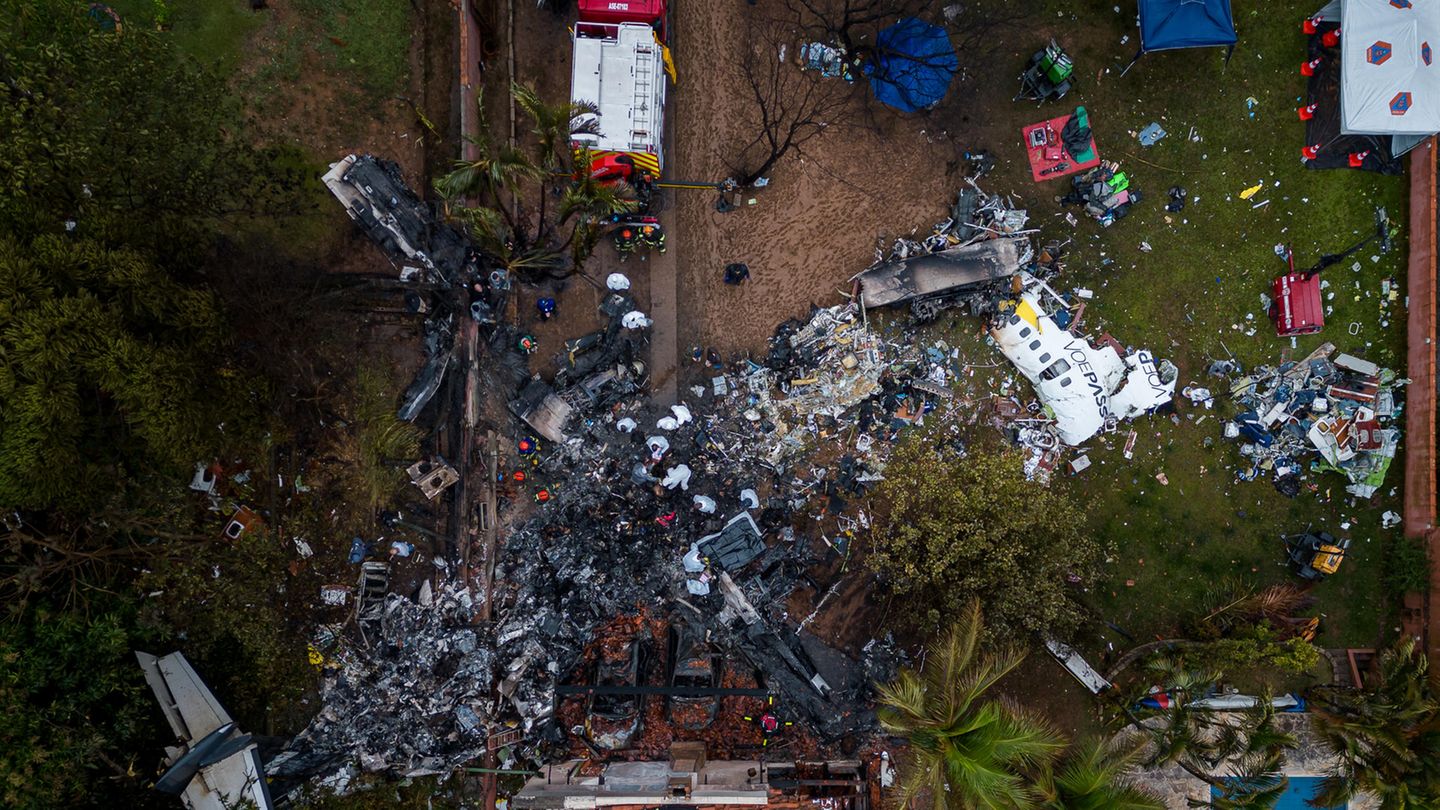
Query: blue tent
1167, 24
912, 66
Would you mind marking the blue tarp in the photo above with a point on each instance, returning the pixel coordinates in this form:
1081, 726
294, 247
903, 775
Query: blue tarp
1166, 24
913, 65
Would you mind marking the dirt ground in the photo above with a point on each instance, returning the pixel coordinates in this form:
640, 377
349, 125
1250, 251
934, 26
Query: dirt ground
853, 188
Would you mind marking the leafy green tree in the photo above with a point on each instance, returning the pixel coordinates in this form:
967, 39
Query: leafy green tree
503, 198
968, 749
1094, 775
109, 369
949, 530
1386, 737
74, 711
118, 134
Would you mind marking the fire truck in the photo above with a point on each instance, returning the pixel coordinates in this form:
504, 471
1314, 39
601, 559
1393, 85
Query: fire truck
619, 65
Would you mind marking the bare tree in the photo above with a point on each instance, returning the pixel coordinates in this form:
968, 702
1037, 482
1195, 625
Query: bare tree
850, 25
853, 26
786, 106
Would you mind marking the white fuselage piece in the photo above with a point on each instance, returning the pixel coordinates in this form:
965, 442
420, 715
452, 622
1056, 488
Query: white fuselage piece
1086, 388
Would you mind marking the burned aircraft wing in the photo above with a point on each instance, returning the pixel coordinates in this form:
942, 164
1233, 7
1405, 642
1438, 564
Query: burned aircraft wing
377, 197
943, 272
439, 348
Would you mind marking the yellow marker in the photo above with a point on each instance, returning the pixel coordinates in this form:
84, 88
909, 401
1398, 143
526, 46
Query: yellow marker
1028, 313
1250, 192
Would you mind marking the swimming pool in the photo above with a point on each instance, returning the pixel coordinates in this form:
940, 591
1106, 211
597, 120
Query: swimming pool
1298, 793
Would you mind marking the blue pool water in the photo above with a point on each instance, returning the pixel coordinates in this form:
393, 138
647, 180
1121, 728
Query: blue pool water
1298, 793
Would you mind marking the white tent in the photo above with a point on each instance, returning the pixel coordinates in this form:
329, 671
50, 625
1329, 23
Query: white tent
1389, 84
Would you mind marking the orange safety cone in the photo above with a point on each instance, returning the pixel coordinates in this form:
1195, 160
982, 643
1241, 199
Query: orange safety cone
1330, 38
1311, 25
1308, 111
1309, 68
1310, 152
1356, 159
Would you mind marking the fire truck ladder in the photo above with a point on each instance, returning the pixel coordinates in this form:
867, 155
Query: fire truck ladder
640, 113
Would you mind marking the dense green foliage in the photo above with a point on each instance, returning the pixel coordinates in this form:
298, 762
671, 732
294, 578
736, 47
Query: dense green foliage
953, 529
1407, 566
123, 165
108, 368
118, 135
224, 600
72, 709
1258, 648
1387, 736
1095, 775
513, 216
968, 748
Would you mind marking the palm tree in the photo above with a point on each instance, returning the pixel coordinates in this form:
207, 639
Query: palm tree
503, 197
1256, 782
1094, 776
555, 124
967, 750
1248, 745
1386, 738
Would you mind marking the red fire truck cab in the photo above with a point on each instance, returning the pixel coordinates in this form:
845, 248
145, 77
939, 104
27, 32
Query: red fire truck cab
614, 12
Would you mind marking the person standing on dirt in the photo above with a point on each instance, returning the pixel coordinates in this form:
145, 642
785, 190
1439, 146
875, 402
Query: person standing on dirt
654, 237
546, 306
737, 273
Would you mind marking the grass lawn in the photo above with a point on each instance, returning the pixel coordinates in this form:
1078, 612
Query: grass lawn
367, 40
1196, 296
211, 31
1203, 278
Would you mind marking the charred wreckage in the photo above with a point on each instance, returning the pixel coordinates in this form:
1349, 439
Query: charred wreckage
707, 514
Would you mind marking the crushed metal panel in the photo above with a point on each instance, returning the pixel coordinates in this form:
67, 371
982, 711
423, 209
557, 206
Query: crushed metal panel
735, 545
945, 271
543, 410
1087, 388
370, 594
1076, 665
433, 476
